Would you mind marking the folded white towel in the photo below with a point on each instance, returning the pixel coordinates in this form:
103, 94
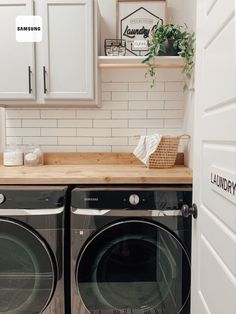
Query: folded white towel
146, 146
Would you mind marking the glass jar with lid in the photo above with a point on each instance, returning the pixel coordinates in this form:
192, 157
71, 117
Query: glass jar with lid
13, 155
33, 155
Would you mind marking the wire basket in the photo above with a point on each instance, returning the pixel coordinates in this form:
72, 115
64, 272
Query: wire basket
166, 152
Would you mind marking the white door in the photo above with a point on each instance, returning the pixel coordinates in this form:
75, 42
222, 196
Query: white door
17, 69
214, 232
68, 49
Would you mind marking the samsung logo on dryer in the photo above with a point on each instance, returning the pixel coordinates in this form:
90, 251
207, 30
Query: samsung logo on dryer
91, 199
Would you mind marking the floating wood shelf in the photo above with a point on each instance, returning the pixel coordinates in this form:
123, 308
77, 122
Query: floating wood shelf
136, 62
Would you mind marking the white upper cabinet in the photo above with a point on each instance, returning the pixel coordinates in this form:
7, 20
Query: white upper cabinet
68, 49
17, 68
65, 69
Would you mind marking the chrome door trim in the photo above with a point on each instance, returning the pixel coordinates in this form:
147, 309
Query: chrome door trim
30, 212
46, 247
125, 212
93, 237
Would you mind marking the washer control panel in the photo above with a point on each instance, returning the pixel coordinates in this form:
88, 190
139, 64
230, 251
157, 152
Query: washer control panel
2, 198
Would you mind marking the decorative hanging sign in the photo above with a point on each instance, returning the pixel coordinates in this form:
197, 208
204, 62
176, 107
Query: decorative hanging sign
224, 183
135, 22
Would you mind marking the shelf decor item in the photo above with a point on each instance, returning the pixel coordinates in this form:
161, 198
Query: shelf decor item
115, 47
171, 39
136, 20
166, 152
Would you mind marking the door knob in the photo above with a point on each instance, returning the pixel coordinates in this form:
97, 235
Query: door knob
187, 211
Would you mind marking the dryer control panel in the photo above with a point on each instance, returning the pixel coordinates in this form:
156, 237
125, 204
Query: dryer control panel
131, 197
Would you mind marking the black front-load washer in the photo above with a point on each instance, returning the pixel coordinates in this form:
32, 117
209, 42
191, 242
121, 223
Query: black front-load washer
32, 249
130, 250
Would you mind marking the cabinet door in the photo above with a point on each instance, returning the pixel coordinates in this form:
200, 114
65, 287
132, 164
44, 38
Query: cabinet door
16, 58
68, 49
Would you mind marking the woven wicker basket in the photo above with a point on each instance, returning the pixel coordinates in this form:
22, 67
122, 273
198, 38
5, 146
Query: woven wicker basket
166, 152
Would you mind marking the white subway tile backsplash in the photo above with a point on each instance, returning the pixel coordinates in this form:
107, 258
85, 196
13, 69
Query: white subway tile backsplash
110, 123
94, 149
165, 131
93, 114
13, 123
137, 95
165, 95
123, 149
128, 132
156, 95
75, 123
146, 123
169, 75
129, 114
129, 107
146, 86
165, 114
173, 104
43, 123
22, 114
111, 141
173, 123
146, 105
58, 132
14, 140
75, 140
93, 132
119, 96
40, 140
106, 95
174, 86
129, 96
115, 105
59, 148
133, 141
174, 95
111, 87
58, 114
22, 132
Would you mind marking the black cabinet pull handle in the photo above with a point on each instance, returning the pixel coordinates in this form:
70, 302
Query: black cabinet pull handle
44, 81
29, 76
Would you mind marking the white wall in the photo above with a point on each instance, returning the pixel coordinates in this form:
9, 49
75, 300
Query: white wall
2, 128
188, 124
129, 106
178, 12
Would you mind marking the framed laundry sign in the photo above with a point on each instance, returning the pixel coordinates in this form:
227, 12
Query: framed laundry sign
135, 21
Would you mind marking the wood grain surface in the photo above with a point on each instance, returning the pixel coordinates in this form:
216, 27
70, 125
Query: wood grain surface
93, 169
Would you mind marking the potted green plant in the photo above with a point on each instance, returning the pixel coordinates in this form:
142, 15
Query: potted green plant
171, 39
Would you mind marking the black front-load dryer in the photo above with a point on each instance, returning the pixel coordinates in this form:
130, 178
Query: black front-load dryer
130, 250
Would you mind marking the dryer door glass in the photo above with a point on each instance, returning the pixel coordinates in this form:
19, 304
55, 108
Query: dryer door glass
27, 270
134, 266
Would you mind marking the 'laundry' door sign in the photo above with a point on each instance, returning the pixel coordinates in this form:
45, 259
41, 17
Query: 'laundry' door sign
224, 183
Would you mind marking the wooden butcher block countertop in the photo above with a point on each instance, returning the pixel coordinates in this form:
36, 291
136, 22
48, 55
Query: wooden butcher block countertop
93, 168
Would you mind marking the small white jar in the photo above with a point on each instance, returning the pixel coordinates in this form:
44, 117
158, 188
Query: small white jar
13, 155
33, 156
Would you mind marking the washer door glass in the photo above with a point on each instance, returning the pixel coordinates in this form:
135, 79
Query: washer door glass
135, 266
27, 270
